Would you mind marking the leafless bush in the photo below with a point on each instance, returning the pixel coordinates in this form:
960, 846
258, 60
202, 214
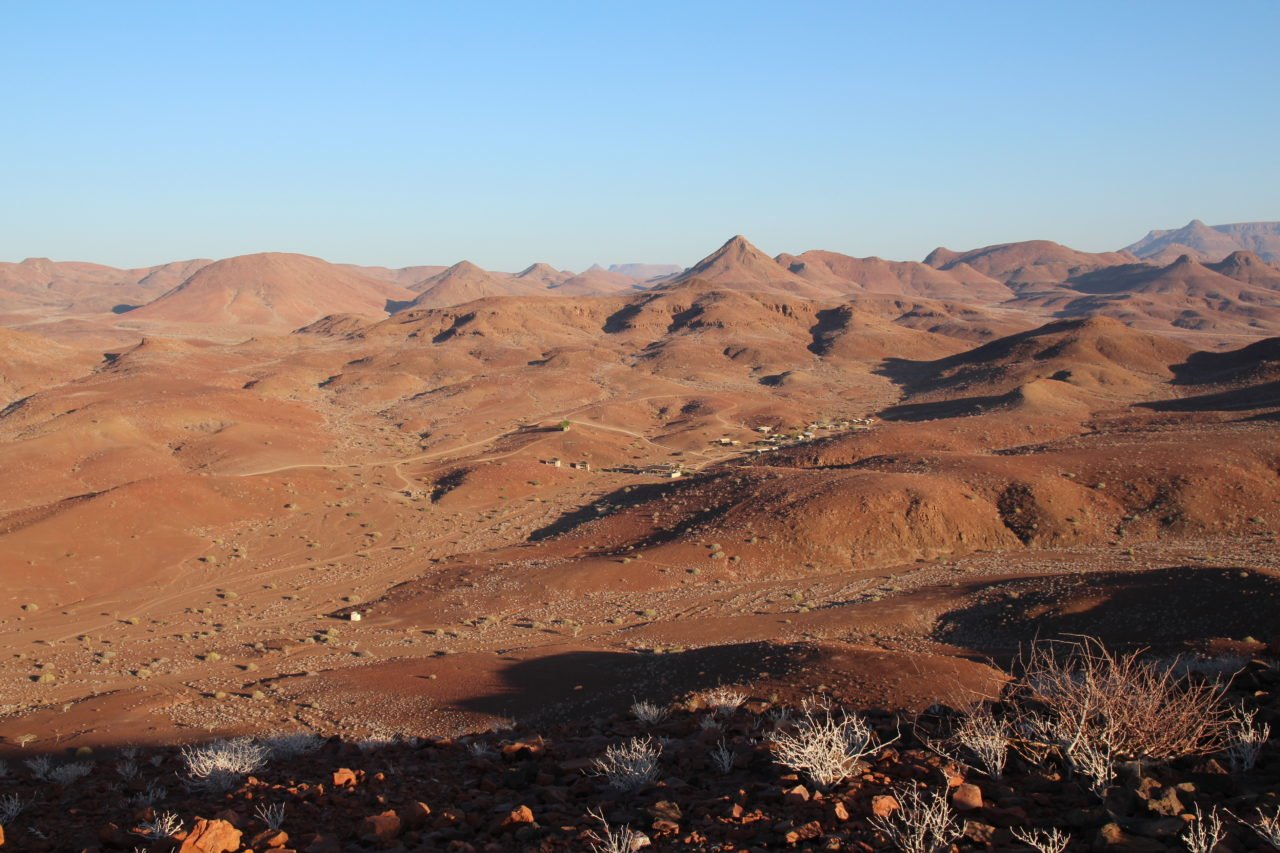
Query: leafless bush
68, 774
708, 724
272, 815
922, 823
722, 757
724, 701
1205, 833
624, 839
164, 825
1043, 840
1245, 740
1137, 708
480, 749
220, 765
11, 805
40, 766
1267, 827
986, 737
981, 741
629, 766
293, 744
127, 769
823, 745
649, 712
154, 793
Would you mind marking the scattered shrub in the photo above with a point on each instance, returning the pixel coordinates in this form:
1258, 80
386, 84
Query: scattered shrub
922, 823
824, 746
629, 766
220, 765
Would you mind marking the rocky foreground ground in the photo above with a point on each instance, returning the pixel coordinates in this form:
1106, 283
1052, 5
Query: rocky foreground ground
706, 774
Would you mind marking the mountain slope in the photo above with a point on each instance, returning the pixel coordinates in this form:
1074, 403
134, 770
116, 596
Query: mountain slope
895, 278
1028, 263
271, 289
466, 282
1210, 242
738, 265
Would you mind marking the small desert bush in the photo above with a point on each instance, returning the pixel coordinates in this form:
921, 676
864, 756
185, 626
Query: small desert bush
70, 773
1268, 827
649, 712
219, 765
163, 825
1204, 833
922, 823
723, 701
1042, 840
629, 766
824, 745
1096, 701
624, 839
11, 805
272, 815
722, 758
1245, 740
293, 744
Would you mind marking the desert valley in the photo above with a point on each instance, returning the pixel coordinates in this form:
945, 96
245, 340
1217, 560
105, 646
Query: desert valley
433, 540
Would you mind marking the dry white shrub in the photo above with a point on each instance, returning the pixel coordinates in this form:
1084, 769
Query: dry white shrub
1267, 827
624, 839
1204, 833
722, 757
724, 701
272, 815
649, 712
219, 765
922, 823
39, 767
1136, 707
165, 825
1042, 840
68, 774
629, 766
1245, 740
11, 805
154, 793
293, 744
823, 745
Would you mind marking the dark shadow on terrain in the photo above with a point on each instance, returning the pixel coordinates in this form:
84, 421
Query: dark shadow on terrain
1165, 609
961, 408
585, 684
123, 308
1113, 280
395, 306
617, 499
904, 372
620, 320
822, 333
1264, 396
1251, 362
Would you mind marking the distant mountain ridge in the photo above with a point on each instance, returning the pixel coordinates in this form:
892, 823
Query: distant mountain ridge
1210, 243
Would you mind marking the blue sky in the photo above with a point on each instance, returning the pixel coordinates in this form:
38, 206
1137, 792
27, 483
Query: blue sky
406, 133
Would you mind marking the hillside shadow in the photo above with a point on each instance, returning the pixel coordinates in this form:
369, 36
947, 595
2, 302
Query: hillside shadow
585, 684
1264, 396
617, 499
941, 409
395, 306
1165, 609
907, 374
123, 308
